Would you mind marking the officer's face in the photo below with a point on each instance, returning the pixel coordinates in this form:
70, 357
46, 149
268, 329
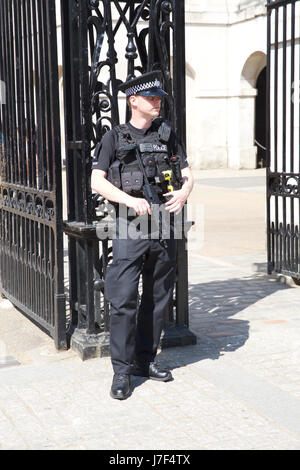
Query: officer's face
147, 105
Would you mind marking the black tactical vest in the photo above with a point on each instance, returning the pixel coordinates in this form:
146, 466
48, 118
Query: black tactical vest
155, 151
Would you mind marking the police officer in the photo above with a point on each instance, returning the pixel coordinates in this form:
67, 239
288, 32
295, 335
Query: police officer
117, 176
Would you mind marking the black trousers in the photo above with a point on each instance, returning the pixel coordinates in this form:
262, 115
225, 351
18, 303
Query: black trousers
135, 335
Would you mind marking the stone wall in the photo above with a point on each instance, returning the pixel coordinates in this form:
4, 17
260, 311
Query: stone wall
225, 52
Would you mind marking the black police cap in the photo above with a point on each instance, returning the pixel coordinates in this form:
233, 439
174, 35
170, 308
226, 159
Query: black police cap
148, 84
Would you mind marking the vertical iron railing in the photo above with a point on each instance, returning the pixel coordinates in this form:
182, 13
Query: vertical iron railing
85, 333
106, 42
283, 118
31, 241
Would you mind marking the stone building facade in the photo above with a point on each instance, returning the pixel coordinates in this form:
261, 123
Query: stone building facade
225, 61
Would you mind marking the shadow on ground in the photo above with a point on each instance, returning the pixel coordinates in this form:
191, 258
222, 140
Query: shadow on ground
214, 309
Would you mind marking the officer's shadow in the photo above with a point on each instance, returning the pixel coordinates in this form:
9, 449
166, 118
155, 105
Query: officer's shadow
214, 309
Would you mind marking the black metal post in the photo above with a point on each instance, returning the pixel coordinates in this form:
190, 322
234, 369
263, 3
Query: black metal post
84, 334
177, 333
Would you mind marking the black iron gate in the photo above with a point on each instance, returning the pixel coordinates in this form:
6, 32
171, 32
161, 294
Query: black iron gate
283, 169
31, 198
105, 42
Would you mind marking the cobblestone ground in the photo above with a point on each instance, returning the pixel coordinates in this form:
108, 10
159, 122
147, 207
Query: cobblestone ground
237, 388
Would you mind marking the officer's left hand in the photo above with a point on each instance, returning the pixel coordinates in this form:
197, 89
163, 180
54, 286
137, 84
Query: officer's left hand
177, 200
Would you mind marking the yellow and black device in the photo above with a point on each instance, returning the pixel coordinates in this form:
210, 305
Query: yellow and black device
168, 177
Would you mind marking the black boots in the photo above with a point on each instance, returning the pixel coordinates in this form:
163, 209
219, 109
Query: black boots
120, 388
152, 371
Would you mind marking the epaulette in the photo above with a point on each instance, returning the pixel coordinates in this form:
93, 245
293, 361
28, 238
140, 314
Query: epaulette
164, 132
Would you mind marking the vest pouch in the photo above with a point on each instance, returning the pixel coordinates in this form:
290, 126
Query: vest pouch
150, 166
126, 182
132, 182
162, 163
114, 174
137, 180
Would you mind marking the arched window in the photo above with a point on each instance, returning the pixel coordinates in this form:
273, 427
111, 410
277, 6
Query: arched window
253, 109
260, 119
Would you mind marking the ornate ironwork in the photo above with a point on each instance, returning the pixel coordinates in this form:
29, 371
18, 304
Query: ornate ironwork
25, 203
284, 184
146, 49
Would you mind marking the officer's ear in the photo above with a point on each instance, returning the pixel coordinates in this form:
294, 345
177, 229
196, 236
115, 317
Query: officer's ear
133, 101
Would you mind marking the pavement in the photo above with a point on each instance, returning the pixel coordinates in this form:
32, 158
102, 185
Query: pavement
238, 388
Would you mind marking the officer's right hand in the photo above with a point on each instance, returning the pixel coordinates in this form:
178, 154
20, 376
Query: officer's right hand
139, 205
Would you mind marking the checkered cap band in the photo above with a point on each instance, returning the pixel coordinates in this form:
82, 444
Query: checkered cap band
142, 87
